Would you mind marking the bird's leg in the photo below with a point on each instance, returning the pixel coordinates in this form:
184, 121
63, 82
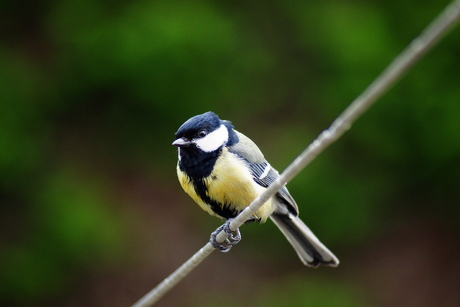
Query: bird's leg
234, 236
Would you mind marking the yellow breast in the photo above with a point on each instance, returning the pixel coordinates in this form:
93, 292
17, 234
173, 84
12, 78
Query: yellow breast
230, 184
188, 187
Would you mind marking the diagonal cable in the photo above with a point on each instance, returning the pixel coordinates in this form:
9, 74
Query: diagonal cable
394, 72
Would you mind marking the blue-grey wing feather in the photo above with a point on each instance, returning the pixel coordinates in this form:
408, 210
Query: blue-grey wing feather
262, 172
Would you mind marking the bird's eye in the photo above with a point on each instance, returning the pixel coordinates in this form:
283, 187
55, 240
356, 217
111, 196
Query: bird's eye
202, 133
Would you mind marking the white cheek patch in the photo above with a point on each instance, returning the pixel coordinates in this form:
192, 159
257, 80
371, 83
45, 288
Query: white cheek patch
213, 140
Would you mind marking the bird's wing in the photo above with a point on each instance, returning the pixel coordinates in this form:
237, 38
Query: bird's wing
262, 172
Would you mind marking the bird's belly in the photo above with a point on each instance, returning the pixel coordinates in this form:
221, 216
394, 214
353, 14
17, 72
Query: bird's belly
232, 185
187, 184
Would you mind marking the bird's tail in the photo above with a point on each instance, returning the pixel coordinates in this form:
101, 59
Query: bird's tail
310, 250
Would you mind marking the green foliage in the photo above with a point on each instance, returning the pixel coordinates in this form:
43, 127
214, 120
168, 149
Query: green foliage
295, 290
24, 129
91, 93
69, 226
74, 216
301, 292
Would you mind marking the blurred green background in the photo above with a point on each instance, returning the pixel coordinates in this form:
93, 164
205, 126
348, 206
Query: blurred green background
91, 93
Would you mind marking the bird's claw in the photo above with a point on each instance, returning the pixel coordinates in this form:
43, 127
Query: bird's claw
233, 237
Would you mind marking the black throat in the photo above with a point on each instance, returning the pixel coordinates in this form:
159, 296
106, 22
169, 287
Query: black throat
196, 163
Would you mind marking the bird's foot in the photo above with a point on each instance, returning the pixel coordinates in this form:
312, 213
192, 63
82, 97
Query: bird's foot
234, 236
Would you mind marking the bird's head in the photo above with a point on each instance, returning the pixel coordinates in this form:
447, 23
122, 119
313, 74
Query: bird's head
206, 132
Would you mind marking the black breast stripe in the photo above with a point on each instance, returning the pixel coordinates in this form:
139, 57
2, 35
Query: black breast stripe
222, 210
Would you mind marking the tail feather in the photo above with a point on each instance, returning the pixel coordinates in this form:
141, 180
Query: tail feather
309, 249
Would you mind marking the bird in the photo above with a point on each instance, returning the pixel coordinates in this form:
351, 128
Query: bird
223, 171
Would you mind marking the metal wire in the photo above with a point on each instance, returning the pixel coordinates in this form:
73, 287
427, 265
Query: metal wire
394, 72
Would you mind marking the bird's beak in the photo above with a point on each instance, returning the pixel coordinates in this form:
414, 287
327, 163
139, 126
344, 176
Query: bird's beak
181, 142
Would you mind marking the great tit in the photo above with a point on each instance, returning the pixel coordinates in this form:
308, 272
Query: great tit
223, 171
